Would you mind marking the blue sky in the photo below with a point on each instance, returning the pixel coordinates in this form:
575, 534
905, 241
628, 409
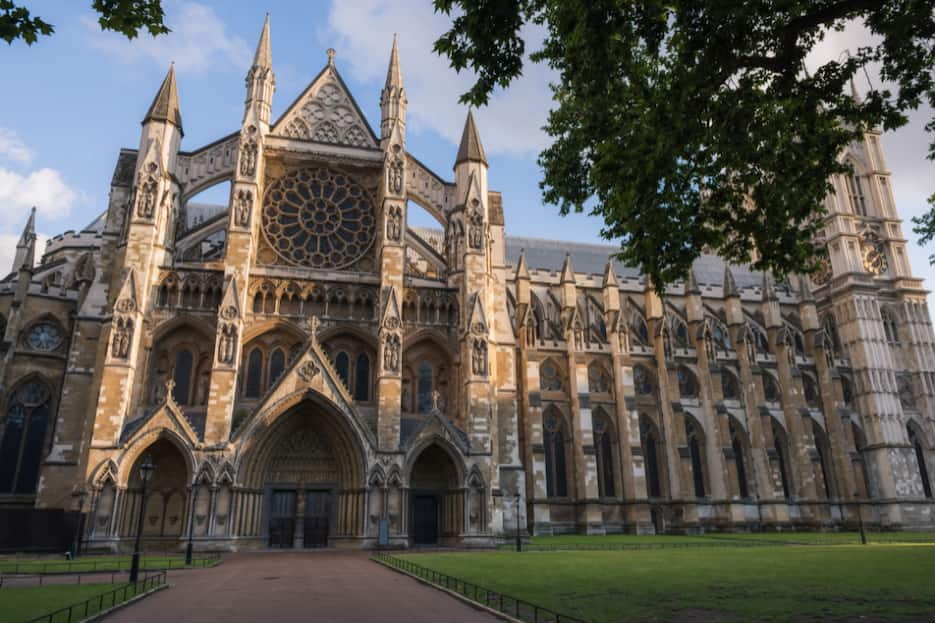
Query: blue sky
74, 99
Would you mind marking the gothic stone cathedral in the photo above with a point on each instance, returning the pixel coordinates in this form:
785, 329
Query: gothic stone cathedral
305, 369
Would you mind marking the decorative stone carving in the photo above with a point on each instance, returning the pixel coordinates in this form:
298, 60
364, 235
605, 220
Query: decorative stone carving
479, 357
394, 223
394, 172
307, 371
475, 226
146, 191
227, 343
122, 338
391, 345
318, 218
328, 116
248, 153
242, 208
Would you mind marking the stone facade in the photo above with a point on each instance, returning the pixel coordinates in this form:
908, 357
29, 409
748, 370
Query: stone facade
305, 369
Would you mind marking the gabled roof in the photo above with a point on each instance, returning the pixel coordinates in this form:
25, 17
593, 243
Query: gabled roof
471, 147
326, 112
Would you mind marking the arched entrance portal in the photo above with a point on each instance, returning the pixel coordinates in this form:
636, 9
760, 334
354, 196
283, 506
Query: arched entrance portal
165, 509
307, 470
437, 505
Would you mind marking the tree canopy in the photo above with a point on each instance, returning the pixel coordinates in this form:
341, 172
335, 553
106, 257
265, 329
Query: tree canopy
127, 17
693, 125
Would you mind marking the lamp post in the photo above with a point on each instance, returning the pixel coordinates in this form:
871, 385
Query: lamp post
191, 527
76, 544
519, 538
146, 472
860, 519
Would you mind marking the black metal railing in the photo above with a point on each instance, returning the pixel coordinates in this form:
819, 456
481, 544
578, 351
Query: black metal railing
102, 602
611, 546
496, 600
95, 564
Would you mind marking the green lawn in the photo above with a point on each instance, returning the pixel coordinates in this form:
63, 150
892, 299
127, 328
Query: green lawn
18, 604
98, 563
815, 583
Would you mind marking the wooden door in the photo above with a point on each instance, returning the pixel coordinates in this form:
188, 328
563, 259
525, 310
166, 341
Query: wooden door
425, 520
282, 519
317, 516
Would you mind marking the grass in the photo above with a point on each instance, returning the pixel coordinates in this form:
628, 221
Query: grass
98, 563
816, 583
23, 603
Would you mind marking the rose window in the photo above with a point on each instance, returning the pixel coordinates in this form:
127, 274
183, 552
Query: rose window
318, 218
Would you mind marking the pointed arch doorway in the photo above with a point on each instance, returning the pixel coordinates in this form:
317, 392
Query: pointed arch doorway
306, 471
436, 504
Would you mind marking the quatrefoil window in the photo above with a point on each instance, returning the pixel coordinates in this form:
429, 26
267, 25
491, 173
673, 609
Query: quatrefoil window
318, 218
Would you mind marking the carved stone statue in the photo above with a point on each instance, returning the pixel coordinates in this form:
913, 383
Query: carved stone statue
476, 229
123, 334
394, 223
391, 353
248, 154
146, 194
226, 344
395, 176
479, 357
242, 208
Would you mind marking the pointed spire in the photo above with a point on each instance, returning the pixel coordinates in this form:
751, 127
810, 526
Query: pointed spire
471, 147
263, 57
769, 288
730, 286
854, 94
394, 75
165, 106
25, 256
805, 289
691, 283
568, 272
610, 275
29, 231
522, 270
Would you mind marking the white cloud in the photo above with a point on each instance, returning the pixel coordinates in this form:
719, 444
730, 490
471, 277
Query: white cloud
13, 148
510, 124
199, 41
43, 188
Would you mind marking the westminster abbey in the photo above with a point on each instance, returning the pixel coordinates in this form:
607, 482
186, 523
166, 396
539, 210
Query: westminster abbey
302, 368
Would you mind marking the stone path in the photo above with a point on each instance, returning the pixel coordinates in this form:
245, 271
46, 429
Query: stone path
281, 587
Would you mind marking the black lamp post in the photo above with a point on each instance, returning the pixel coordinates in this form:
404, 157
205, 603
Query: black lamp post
76, 544
146, 472
519, 537
860, 519
191, 527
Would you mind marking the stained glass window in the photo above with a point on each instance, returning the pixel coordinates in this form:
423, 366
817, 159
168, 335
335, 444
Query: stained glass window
21, 446
318, 218
362, 378
277, 363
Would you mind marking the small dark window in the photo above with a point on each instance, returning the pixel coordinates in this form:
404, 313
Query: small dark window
688, 388
555, 479
648, 441
739, 459
641, 381
694, 451
729, 386
603, 454
277, 363
424, 387
821, 446
549, 377
770, 388
252, 386
362, 378
920, 461
182, 375
780, 447
342, 365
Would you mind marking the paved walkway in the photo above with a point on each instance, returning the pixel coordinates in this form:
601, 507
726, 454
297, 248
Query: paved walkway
280, 587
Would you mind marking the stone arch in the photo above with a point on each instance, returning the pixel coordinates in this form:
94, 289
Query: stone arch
427, 368
742, 457
606, 452
779, 453
695, 440
166, 501
260, 438
139, 445
189, 372
435, 474
653, 448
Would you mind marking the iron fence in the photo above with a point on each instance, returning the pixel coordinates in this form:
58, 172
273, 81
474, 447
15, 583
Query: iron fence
104, 601
496, 600
96, 564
